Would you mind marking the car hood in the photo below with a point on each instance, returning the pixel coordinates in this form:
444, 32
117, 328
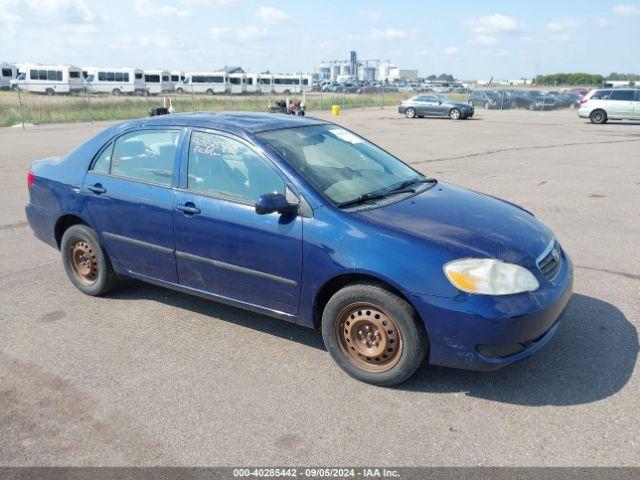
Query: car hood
464, 223
461, 105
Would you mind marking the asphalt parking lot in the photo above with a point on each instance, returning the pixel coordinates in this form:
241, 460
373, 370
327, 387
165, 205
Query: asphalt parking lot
147, 376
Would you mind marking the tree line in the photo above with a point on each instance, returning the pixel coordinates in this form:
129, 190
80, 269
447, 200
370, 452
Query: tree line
581, 78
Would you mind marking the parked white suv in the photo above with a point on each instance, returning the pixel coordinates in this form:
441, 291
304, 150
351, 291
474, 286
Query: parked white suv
610, 104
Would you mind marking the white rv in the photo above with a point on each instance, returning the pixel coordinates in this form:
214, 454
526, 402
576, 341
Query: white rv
157, 81
8, 73
238, 82
252, 83
204, 82
291, 83
265, 83
114, 80
176, 79
50, 79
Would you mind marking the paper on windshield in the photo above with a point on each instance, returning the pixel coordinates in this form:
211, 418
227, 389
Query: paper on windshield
345, 135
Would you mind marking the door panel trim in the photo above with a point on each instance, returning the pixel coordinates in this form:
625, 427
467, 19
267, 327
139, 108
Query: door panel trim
137, 243
235, 268
215, 297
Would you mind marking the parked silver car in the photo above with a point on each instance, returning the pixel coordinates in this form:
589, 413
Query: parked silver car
610, 104
435, 105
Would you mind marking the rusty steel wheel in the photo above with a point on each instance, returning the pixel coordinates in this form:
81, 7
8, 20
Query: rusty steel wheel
84, 262
369, 338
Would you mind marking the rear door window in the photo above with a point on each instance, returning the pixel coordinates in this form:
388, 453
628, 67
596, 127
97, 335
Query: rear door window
146, 155
623, 95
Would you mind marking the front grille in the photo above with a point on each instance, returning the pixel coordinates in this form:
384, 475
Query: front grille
550, 264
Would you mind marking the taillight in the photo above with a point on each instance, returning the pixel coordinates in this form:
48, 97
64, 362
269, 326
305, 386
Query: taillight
584, 100
30, 179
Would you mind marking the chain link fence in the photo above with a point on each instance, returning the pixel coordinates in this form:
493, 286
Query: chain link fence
19, 107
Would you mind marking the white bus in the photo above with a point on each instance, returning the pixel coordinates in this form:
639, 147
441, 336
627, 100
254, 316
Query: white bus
291, 83
115, 80
238, 82
176, 79
252, 83
157, 81
49, 79
8, 73
204, 82
265, 83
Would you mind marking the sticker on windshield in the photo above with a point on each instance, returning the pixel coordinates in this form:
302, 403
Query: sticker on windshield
345, 135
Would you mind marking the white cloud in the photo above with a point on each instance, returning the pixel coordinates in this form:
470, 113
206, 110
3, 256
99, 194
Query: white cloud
626, 9
272, 16
421, 53
371, 14
561, 38
147, 8
246, 34
601, 22
60, 11
564, 25
208, 3
493, 24
451, 51
391, 34
484, 40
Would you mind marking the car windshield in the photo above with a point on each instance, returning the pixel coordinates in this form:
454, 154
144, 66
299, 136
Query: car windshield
443, 98
340, 164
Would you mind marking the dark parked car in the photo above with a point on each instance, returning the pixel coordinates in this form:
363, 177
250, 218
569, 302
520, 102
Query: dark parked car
566, 99
534, 100
435, 105
308, 222
487, 99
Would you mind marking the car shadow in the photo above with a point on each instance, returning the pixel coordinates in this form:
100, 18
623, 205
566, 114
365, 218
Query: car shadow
591, 357
137, 290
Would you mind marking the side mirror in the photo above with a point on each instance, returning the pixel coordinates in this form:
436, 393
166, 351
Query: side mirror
274, 202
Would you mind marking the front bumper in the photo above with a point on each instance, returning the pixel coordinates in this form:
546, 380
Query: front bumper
462, 327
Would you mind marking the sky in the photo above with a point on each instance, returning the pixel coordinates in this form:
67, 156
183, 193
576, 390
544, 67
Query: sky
470, 39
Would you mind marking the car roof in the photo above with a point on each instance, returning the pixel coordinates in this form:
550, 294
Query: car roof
248, 122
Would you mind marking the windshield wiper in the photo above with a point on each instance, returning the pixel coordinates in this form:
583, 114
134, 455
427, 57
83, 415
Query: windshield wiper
408, 183
401, 188
365, 197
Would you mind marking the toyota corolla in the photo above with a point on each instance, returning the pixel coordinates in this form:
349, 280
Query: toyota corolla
303, 220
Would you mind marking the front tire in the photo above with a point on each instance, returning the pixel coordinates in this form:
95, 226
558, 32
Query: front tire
116, 92
455, 114
598, 116
50, 92
373, 335
85, 261
410, 113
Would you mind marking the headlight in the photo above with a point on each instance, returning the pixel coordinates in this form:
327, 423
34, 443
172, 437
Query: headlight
487, 276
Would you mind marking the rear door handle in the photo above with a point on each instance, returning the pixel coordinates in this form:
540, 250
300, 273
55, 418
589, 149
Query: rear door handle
188, 208
97, 189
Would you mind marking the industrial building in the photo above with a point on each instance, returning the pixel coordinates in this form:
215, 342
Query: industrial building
355, 69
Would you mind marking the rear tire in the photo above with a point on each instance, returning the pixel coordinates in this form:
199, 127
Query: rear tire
373, 335
598, 116
50, 92
209, 92
180, 90
85, 261
116, 92
410, 113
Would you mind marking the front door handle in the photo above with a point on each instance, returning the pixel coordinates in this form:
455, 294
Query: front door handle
97, 189
188, 208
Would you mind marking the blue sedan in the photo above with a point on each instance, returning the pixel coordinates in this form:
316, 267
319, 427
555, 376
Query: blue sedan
303, 220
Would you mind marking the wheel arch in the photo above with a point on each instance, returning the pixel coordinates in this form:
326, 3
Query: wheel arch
338, 282
64, 222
